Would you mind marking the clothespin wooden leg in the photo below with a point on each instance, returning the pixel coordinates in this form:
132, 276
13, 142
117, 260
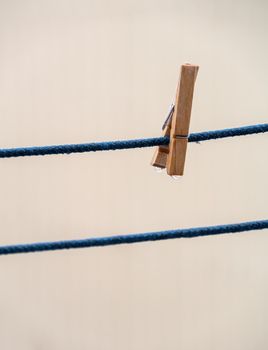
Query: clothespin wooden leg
181, 120
160, 156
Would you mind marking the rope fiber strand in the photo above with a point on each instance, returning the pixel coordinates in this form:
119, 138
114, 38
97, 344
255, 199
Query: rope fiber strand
127, 144
134, 238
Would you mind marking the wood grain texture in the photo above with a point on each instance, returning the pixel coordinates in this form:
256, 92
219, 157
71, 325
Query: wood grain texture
181, 120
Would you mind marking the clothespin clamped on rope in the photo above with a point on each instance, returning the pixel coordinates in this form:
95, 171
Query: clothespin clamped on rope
172, 156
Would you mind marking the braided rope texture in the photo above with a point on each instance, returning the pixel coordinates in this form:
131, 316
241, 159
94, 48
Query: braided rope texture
134, 238
127, 144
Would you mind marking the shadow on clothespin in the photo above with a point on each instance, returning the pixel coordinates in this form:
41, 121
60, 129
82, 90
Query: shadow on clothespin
176, 127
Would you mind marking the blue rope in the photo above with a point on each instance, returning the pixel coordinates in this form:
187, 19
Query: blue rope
134, 238
127, 144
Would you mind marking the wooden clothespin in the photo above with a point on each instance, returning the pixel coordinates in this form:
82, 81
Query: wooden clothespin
172, 156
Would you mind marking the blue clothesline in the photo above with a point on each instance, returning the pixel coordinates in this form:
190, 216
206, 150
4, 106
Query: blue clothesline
127, 144
134, 238
140, 237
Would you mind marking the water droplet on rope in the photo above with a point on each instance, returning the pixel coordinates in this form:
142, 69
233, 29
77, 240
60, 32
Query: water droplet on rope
158, 169
175, 177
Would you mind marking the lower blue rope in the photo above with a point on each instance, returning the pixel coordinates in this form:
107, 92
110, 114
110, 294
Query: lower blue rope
139, 143
134, 238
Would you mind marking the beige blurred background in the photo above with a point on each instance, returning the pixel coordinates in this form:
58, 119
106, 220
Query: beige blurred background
81, 71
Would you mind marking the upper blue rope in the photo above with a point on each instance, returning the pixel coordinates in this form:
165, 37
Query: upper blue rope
127, 144
134, 238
